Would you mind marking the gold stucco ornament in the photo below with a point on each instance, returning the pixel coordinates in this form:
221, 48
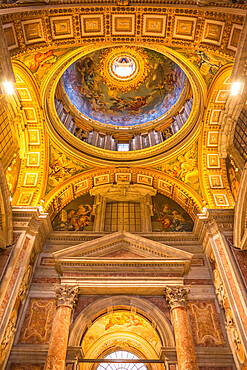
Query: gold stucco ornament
124, 68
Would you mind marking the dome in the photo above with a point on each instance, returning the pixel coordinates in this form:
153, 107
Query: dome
126, 99
123, 86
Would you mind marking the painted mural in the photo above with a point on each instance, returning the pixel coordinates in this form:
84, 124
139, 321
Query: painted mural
76, 216
184, 167
207, 63
169, 216
233, 177
122, 322
61, 167
41, 62
91, 94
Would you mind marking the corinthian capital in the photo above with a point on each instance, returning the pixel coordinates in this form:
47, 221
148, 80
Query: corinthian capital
65, 295
176, 296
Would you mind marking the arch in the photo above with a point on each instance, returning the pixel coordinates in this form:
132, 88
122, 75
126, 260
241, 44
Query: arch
219, 195
167, 185
127, 342
142, 306
120, 354
34, 147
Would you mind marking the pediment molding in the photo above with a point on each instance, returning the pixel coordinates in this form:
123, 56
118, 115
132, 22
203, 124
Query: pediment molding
89, 265
106, 244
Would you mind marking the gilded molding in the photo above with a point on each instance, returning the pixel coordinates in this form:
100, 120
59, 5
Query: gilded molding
100, 156
78, 29
49, 36
215, 186
172, 188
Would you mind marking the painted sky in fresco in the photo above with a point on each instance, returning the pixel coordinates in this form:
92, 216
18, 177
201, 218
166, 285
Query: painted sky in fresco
94, 99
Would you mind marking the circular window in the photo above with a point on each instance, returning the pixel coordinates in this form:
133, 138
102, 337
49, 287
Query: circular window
123, 67
121, 355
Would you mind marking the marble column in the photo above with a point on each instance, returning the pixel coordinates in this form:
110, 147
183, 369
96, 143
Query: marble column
176, 298
66, 298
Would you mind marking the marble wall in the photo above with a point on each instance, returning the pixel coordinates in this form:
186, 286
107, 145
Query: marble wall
38, 321
4, 255
205, 324
241, 257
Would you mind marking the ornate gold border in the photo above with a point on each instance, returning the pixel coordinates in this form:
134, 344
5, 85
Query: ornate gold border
97, 155
52, 203
212, 194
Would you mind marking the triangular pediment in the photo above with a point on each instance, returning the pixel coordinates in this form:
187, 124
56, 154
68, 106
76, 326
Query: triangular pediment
122, 253
122, 245
122, 263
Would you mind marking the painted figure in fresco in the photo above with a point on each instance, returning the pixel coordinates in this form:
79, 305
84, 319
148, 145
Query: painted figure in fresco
43, 60
122, 319
137, 103
90, 93
171, 220
61, 168
159, 76
185, 168
203, 59
165, 217
134, 105
81, 218
178, 221
74, 220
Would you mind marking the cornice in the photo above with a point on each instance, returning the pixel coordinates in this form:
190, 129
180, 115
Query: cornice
92, 256
55, 4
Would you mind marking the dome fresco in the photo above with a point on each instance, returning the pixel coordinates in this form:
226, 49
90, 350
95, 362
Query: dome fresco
124, 86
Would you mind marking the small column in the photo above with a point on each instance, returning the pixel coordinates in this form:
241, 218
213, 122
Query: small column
176, 298
66, 298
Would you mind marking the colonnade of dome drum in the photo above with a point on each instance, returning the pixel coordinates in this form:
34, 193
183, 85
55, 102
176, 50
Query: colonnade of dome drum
107, 141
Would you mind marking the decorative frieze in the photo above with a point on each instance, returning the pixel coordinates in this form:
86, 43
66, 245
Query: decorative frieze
8, 334
25, 283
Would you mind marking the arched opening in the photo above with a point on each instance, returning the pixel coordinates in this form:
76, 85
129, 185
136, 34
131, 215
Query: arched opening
121, 333
122, 323
142, 306
122, 355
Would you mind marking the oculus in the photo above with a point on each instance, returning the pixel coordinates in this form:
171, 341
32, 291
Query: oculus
123, 67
